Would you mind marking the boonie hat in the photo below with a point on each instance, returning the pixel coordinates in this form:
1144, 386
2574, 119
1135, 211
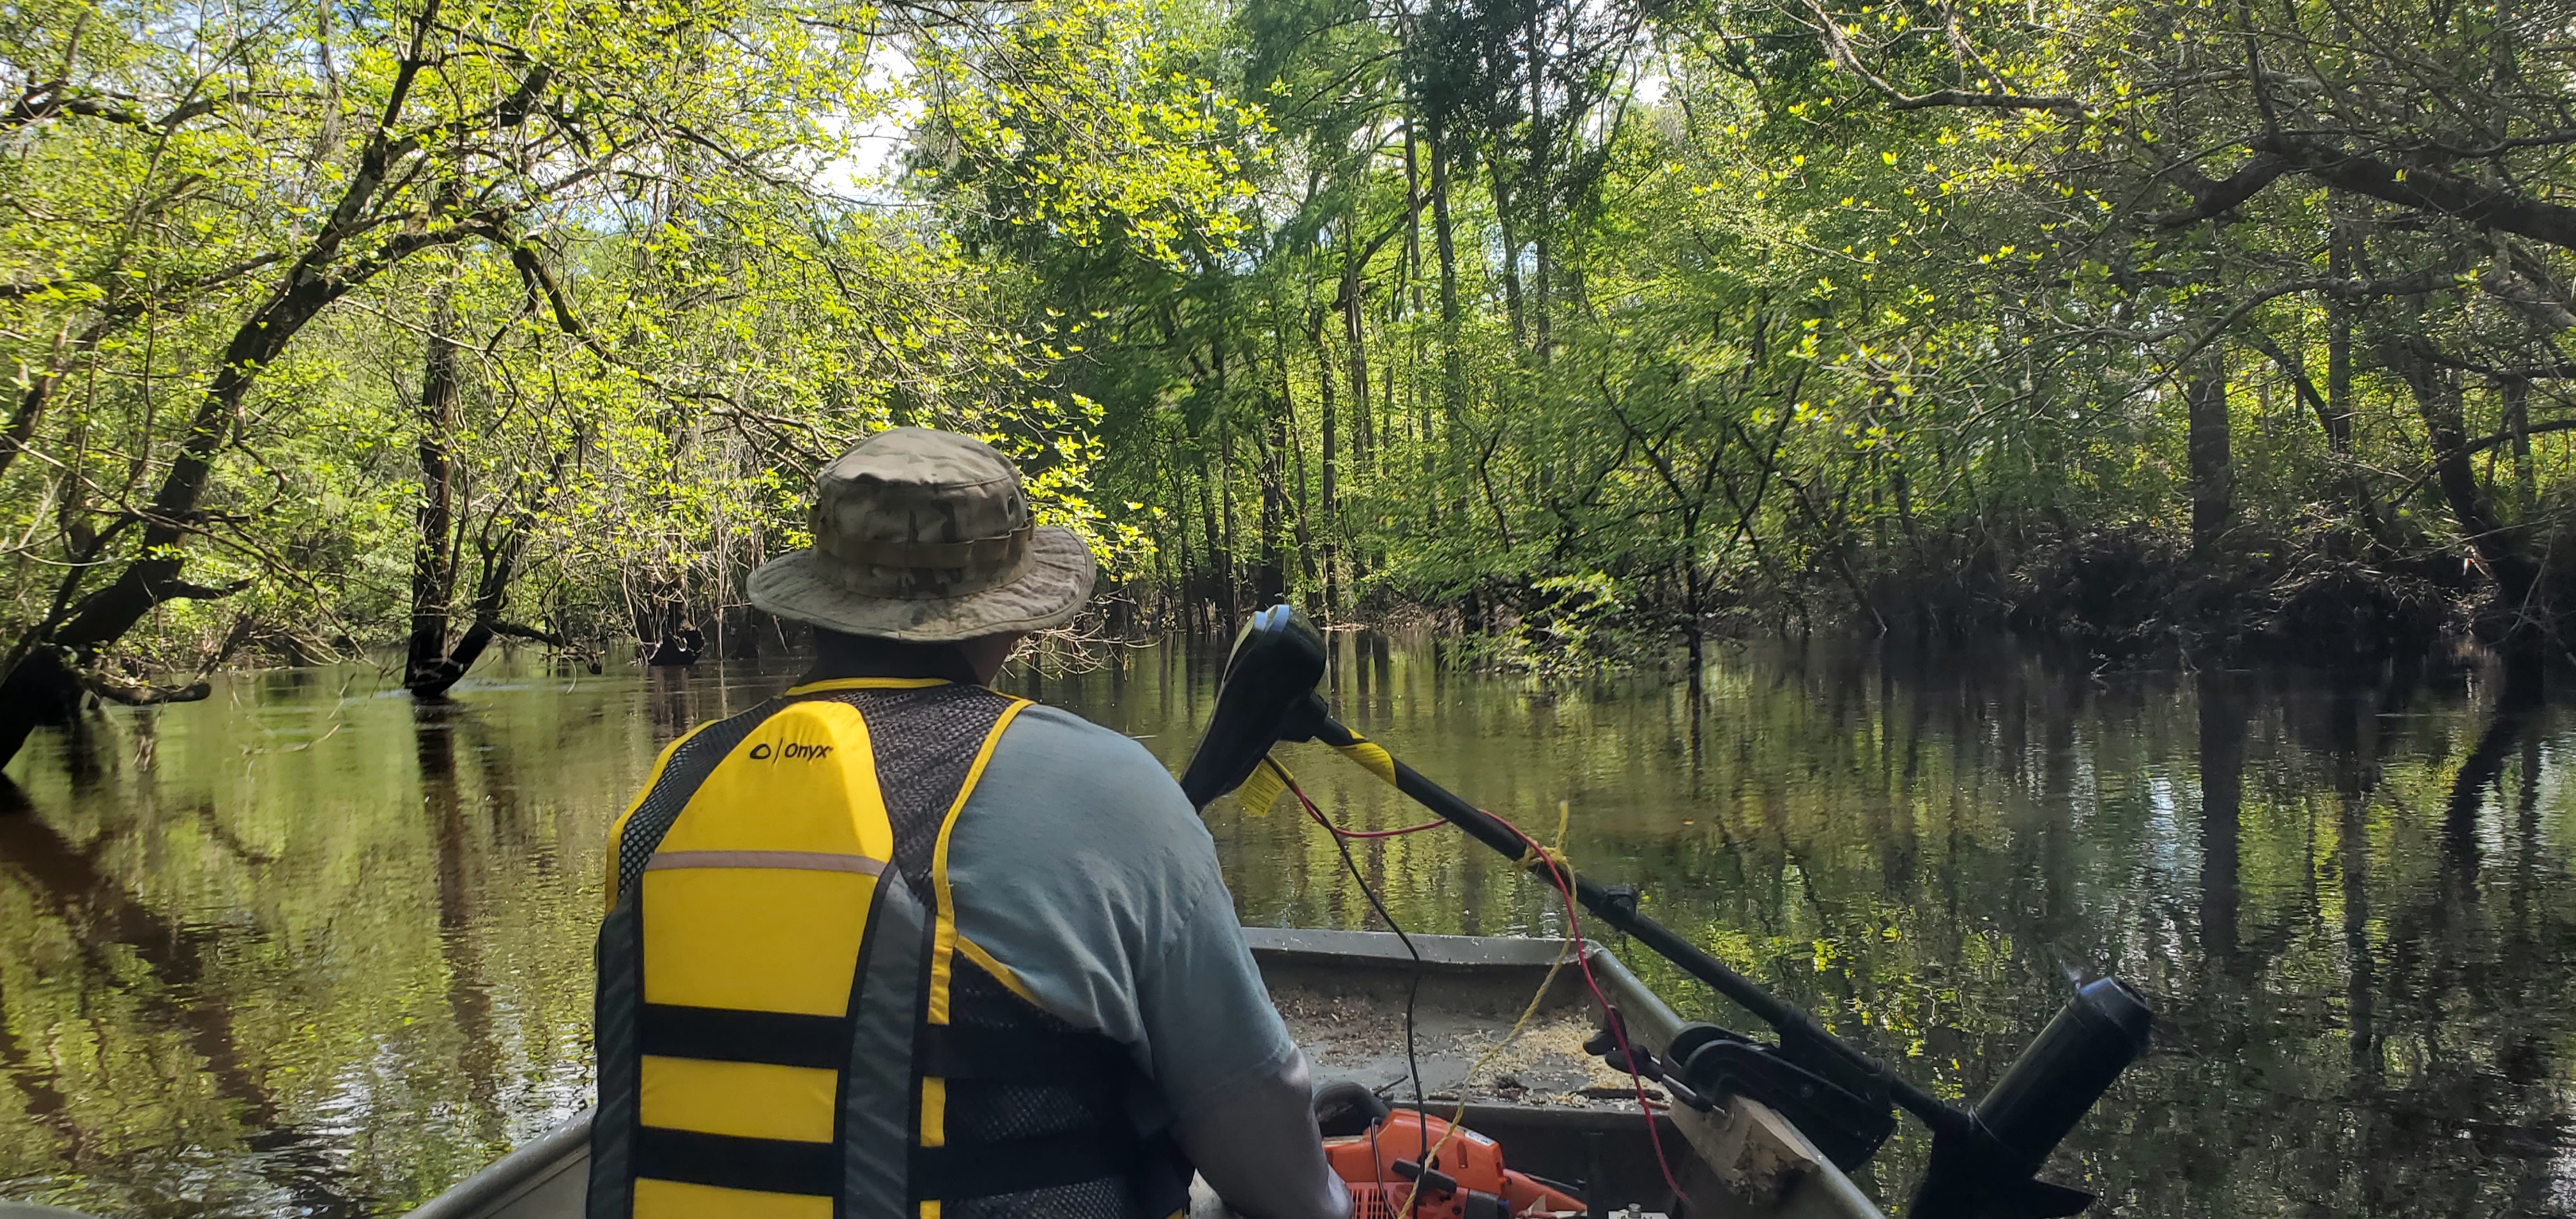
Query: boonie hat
925, 536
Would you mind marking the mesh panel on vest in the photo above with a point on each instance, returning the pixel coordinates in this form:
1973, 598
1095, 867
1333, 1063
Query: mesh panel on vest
925, 741
688, 767
991, 1112
1086, 1200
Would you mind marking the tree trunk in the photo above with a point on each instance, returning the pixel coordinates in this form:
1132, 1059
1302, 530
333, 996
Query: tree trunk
1694, 629
32, 694
1271, 580
307, 285
433, 555
1538, 215
1184, 572
2213, 507
1453, 370
2516, 393
43, 692
1510, 234
490, 592
106, 615
1412, 219
1331, 526
2338, 417
1215, 580
1542, 329
1453, 381
1231, 604
1291, 433
1355, 339
2524, 623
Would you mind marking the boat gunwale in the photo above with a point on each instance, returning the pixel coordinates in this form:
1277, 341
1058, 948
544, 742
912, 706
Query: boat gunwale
566, 1146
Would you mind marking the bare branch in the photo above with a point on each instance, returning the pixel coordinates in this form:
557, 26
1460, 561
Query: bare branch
55, 98
513, 630
1839, 48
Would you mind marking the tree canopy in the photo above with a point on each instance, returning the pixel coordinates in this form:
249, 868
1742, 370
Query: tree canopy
1596, 325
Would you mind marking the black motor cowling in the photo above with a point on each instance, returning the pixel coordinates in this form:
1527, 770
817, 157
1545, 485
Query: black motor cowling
1270, 675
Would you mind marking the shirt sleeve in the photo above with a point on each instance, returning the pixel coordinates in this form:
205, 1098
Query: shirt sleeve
1080, 866
1258, 1148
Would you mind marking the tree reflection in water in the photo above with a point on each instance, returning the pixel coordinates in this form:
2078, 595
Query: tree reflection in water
305, 947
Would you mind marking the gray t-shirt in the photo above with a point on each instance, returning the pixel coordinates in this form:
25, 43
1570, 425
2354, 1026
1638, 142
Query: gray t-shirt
1079, 865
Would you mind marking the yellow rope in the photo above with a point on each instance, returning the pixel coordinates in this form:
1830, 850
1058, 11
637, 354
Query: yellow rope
1564, 953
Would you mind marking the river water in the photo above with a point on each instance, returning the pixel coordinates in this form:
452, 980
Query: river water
305, 948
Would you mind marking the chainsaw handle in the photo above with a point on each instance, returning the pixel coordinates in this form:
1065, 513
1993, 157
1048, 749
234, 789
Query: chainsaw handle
1346, 1107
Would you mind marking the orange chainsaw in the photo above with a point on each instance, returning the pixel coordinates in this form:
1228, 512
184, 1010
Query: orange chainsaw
1465, 1178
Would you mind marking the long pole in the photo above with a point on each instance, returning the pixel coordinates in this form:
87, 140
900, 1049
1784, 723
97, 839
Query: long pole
1792, 1022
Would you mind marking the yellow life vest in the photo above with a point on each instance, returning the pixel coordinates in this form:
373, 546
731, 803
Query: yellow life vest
789, 1025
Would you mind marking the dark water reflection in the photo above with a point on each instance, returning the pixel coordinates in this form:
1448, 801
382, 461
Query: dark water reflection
305, 948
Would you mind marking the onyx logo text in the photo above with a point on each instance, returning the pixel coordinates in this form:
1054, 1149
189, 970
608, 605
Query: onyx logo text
792, 751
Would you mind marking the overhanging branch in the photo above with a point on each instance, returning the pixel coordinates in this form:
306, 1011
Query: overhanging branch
2214, 197
2430, 190
182, 590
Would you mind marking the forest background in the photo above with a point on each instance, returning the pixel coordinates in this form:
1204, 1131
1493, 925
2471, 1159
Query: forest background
1591, 327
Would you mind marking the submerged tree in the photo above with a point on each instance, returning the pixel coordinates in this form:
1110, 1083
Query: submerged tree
448, 125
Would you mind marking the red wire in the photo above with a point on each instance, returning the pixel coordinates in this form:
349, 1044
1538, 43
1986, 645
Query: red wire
1413, 1198
1610, 1015
1339, 832
1433, 824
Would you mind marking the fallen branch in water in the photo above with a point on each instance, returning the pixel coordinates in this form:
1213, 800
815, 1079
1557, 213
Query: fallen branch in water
144, 694
532, 634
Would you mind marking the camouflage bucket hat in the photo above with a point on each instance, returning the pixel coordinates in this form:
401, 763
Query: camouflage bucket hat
925, 536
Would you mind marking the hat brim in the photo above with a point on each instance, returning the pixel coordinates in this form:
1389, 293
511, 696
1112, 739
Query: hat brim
1049, 591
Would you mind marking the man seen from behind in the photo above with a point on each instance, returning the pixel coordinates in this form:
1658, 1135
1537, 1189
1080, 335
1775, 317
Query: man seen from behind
892, 945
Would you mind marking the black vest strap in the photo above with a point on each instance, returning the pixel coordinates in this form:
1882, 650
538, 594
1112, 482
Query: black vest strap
1161, 1182
1022, 1056
770, 1165
783, 1039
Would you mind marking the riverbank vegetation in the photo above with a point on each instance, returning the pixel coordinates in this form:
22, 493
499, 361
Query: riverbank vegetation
1590, 325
